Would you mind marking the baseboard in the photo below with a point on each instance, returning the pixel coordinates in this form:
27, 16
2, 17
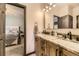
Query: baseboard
10, 45
30, 53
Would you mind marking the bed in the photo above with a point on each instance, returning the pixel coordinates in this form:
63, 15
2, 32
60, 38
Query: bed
11, 36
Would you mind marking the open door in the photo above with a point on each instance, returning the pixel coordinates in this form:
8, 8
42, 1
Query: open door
2, 29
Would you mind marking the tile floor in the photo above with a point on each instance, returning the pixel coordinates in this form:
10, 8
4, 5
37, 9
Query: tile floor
16, 50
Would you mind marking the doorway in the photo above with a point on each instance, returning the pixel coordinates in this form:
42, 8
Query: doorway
15, 30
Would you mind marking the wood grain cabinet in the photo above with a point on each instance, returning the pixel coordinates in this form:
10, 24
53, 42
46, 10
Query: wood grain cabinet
45, 48
1, 48
68, 53
52, 49
37, 46
2, 29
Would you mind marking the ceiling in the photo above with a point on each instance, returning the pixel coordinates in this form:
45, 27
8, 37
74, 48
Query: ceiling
69, 4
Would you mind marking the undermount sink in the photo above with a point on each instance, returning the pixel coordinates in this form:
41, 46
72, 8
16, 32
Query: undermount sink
67, 39
73, 40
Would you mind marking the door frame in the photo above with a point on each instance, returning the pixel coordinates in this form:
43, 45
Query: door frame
24, 7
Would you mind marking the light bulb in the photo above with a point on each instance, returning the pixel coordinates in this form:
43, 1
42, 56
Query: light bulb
50, 8
46, 10
54, 5
46, 7
43, 9
50, 3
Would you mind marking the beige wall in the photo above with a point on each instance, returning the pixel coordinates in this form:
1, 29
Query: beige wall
33, 14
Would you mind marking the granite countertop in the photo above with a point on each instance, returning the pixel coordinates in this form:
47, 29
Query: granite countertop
69, 45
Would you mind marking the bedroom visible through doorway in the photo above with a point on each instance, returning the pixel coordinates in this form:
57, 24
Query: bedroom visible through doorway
14, 31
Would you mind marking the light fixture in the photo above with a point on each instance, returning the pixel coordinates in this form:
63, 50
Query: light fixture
46, 10
43, 9
50, 4
54, 5
50, 8
47, 7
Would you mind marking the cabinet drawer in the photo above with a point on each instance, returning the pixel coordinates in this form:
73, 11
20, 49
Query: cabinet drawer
68, 53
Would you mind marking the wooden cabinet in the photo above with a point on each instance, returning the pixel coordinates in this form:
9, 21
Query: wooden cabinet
68, 53
52, 49
45, 48
2, 29
2, 7
37, 46
1, 48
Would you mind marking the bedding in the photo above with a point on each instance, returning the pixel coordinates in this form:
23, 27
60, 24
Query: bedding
11, 35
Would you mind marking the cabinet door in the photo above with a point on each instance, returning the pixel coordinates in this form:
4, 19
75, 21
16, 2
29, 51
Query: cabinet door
68, 53
2, 29
52, 49
43, 47
48, 49
38, 46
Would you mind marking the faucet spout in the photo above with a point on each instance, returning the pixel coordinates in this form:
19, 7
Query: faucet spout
70, 35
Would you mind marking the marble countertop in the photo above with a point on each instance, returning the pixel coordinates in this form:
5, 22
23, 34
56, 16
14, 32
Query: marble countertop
69, 45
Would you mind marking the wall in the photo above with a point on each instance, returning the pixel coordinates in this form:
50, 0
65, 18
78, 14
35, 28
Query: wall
33, 14
14, 16
62, 11
58, 11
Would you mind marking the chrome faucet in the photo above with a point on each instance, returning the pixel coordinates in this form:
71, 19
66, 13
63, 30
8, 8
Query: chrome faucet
69, 34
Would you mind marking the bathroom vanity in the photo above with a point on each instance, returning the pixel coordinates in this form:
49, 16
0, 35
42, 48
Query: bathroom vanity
48, 45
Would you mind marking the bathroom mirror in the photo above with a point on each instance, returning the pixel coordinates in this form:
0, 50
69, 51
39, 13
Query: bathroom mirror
63, 22
77, 18
63, 16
